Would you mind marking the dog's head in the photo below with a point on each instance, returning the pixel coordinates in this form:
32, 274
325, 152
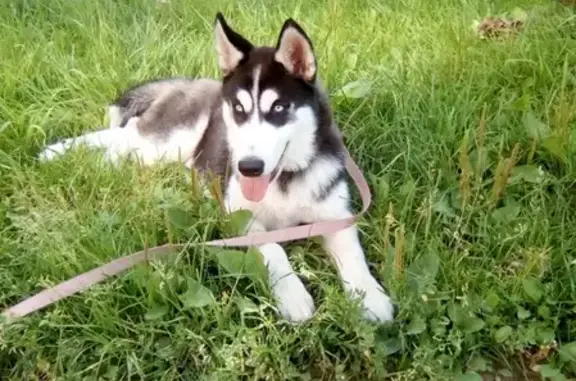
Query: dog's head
268, 103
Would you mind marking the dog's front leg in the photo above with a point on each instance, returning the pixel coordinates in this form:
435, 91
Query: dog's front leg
294, 302
346, 250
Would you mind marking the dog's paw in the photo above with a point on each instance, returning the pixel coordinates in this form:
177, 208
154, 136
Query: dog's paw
294, 302
54, 150
376, 305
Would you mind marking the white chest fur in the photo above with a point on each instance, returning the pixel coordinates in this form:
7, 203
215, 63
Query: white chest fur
300, 204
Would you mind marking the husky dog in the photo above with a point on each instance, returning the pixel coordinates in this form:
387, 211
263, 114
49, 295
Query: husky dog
268, 129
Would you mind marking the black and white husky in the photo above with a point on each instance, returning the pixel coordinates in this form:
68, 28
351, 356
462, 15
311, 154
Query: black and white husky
269, 122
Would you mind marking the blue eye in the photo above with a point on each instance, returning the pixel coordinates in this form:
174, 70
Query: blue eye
278, 107
238, 108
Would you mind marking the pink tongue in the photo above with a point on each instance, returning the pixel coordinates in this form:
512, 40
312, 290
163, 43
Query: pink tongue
254, 188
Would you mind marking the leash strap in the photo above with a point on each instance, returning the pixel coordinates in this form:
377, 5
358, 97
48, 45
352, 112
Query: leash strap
83, 281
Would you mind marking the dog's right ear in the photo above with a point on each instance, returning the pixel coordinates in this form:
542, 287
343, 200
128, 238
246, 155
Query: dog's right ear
231, 47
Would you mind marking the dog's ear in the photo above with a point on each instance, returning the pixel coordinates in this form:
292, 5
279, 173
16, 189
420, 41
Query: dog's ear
231, 47
294, 50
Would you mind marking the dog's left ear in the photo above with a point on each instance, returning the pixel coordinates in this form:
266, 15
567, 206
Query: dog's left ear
231, 47
294, 50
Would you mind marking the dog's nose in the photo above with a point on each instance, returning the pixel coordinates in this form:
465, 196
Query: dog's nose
251, 167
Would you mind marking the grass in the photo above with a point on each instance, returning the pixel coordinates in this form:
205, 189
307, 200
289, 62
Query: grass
468, 144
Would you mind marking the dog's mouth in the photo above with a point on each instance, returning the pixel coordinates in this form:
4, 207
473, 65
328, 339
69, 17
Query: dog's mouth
254, 188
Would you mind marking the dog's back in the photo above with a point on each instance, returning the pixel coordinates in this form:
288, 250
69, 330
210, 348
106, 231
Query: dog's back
172, 102
162, 119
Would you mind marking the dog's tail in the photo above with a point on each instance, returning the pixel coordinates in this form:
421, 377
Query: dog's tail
132, 103
135, 101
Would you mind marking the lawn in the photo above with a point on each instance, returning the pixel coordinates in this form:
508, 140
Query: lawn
468, 145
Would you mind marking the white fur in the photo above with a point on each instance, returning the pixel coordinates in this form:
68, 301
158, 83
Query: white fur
346, 251
245, 100
114, 116
256, 82
268, 97
121, 142
301, 148
279, 210
294, 302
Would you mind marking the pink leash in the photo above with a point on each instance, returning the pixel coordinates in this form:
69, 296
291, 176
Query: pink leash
97, 275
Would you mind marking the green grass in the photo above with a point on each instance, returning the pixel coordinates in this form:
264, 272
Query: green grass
482, 270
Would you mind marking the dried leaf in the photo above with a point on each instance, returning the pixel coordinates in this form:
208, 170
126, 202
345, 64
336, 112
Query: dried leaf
497, 27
